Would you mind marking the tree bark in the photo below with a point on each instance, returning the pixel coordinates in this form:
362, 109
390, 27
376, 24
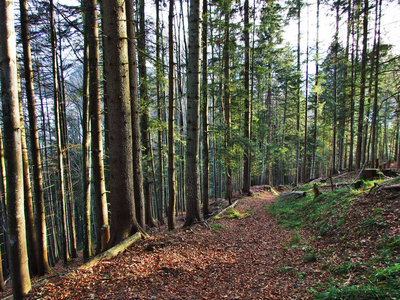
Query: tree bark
43, 264
96, 131
87, 231
246, 157
171, 126
364, 58
227, 103
56, 95
193, 211
136, 143
144, 214
159, 78
206, 158
123, 215
13, 153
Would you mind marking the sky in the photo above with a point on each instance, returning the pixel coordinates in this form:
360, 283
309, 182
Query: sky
390, 27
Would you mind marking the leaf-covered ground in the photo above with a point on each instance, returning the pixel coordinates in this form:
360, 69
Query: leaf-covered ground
243, 254
344, 244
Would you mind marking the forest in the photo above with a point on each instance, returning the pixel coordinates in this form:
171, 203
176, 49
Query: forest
121, 116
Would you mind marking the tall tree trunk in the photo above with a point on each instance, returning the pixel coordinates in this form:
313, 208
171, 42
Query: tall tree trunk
13, 153
193, 211
123, 215
103, 230
43, 264
246, 157
142, 219
136, 143
171, 114
28, 201
65, 152
298, 93
316, 99
364, 58
375, 112
87, 231
206, 158
306, 106
227, 103
57, 114
159, 73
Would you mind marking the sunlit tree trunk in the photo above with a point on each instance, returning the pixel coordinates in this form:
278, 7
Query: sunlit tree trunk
136, 145
123, 215
57, 114
28, 201
87, 231
13, 153
193, 211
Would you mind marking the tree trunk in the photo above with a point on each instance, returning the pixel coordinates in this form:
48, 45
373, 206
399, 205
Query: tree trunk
227, 103
364, 58
159, 78
193, 211
206, 158
144, 211
57, 115
13, 153
246, 157
99, 187
136, 142
123, 215
316, 99
33, 254
43, 264
375, 112
87, 231
171, 114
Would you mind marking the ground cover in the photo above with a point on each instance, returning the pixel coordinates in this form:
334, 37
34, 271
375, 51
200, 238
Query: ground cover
343, 244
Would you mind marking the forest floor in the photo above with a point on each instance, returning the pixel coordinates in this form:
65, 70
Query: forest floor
242, 254
245, 252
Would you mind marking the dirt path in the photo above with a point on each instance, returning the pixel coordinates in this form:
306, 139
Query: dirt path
244, 258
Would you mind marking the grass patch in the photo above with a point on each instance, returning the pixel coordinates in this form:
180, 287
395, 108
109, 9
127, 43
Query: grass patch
384, 284
216, 227
232, 213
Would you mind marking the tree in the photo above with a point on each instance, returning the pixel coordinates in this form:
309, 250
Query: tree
136, 145
144, 122
193, 211
364, 58
246, 157
171, 126
123, 215
206, 159
87, 231
57, 114
13, 152
103, 231
43, 263
227, 102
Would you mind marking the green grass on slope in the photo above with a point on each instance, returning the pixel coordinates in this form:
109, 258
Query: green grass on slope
328, 215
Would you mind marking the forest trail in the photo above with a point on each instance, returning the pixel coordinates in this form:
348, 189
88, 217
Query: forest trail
243, 254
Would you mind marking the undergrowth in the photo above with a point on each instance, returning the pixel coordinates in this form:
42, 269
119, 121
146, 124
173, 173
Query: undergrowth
329, 217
